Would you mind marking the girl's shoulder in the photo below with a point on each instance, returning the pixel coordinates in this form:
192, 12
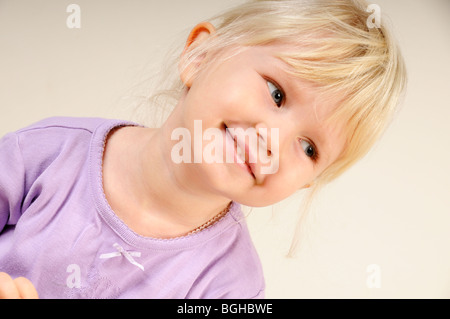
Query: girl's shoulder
56, 133
89, 124
64, 139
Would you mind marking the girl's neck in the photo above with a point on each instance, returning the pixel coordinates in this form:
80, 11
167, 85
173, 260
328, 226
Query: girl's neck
148, 191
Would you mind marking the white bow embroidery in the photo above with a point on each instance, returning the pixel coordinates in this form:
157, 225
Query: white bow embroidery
127, 254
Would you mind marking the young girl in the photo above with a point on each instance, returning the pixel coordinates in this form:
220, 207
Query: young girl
95, 208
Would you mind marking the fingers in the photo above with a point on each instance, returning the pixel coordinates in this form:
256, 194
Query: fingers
26, 288
19, 288
8, 289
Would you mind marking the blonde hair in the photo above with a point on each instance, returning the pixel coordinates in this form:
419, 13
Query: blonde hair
333, 47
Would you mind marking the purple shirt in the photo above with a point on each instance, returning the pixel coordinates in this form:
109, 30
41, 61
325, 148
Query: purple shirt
58, 230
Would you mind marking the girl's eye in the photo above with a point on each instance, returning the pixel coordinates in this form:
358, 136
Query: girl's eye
276, 93
309, 149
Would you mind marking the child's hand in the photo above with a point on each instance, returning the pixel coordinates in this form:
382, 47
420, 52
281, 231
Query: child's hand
19, 288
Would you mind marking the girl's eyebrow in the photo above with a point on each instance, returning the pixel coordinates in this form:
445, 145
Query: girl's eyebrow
288, 81
322, 146
296, 89
326, 143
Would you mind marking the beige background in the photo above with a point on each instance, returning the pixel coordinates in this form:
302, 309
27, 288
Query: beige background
392, 209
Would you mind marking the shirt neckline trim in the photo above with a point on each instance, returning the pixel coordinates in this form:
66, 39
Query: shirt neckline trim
96, 150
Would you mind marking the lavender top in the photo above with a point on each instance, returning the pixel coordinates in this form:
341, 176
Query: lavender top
58, 230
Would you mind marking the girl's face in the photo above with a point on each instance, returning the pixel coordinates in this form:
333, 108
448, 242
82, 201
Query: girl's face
252, 90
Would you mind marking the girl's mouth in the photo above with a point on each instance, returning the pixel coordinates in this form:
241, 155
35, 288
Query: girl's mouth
240, 152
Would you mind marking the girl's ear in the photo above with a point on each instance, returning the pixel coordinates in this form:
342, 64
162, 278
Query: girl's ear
199, 34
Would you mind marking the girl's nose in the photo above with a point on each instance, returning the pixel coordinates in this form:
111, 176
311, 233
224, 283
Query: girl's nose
264, 136
269, 152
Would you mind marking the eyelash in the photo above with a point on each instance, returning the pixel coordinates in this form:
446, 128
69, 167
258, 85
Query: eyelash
276, 87
315, 156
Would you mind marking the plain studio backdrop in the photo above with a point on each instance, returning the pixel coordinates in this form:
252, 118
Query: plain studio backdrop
379, 231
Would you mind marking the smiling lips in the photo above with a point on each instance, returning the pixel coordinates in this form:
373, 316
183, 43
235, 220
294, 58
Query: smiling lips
242, 155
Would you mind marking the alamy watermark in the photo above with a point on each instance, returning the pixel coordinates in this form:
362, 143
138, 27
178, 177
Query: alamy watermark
229, 145
73, 21
373, 20
374, 278
74, 279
